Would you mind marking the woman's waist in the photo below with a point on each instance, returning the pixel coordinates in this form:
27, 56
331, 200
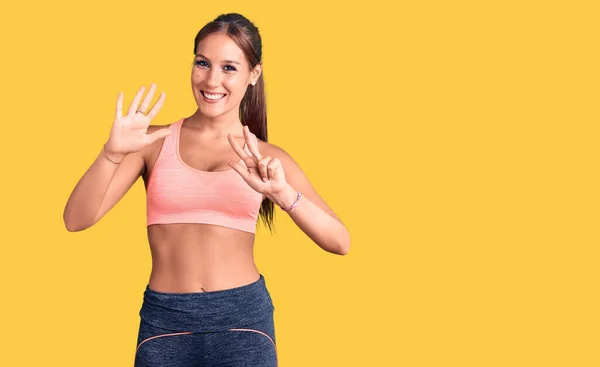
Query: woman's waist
171, 277
208, 311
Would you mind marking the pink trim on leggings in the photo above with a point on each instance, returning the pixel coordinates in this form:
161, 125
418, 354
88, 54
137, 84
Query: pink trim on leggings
257, 331
160, 336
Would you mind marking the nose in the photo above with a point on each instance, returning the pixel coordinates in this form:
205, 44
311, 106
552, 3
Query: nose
213, 78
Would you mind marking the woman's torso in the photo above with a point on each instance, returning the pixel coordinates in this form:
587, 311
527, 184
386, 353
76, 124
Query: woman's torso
196, 257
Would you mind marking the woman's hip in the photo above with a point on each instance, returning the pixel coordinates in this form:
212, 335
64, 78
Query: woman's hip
214, 311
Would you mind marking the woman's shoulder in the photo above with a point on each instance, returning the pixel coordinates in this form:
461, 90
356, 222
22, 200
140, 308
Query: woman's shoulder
275, 151
270, 149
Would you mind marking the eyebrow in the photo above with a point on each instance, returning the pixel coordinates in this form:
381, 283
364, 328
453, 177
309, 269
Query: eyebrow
225, 61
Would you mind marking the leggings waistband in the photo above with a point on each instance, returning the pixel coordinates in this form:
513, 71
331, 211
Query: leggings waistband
207, 311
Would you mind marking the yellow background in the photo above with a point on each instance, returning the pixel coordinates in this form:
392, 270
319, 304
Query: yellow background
457, 140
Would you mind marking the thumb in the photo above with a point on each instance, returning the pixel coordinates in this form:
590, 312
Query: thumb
159, 134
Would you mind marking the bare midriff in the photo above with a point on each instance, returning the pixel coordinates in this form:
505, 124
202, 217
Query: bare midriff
200, 258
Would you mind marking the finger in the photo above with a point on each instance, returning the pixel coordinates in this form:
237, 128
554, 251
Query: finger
236, 148
243, 164
262, 168
154, 111
273, 168
249, 164
136, 101
146, 102
159, 134
119, 111
240, 169
251, 142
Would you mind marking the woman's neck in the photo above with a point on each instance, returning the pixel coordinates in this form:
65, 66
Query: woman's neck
215, 127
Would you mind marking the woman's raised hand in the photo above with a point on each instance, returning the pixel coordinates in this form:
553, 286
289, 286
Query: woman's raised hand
264, 174
129, 131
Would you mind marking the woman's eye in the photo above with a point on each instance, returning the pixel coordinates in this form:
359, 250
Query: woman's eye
230, 68
201, 63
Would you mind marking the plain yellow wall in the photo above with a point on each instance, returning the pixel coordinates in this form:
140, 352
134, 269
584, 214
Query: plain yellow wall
457, 140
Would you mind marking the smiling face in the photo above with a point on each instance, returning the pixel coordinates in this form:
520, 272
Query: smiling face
220, 76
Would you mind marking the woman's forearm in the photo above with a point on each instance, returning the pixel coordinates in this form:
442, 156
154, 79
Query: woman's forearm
86, 199
324, 229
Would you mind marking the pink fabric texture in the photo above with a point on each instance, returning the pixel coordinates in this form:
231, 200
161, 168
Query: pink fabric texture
178, 193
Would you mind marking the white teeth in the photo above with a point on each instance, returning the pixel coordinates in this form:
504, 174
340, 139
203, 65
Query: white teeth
213, 96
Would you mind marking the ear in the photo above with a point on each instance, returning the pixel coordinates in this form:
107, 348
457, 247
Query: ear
255, 74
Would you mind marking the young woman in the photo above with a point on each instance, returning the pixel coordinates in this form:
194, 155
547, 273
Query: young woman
208, 177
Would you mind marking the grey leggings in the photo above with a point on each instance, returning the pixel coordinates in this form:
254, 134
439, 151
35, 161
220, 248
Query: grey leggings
233, 327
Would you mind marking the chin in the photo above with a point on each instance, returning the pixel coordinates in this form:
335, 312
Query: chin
210, 111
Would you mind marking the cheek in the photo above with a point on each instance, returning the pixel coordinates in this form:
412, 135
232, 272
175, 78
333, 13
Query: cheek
198, 74
195, 75
236, 84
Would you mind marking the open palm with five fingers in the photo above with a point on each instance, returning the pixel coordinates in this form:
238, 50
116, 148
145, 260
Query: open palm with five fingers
129, 131
263, 174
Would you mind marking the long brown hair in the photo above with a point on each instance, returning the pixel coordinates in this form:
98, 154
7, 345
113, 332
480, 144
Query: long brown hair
253, 108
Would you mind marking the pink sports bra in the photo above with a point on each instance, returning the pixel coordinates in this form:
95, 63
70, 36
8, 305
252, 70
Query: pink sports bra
178, 193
